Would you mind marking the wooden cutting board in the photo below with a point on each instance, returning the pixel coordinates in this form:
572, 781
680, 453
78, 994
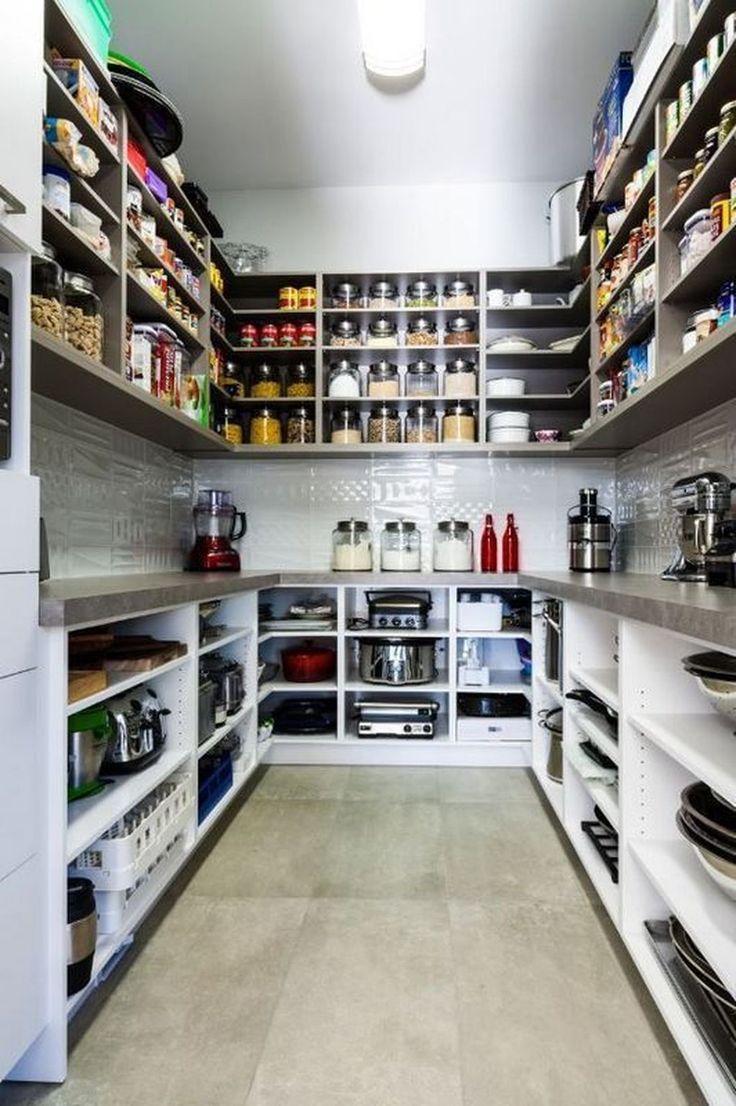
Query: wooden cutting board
144, 658
82, 684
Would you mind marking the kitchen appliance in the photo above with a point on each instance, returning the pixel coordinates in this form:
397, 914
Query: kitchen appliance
551, 721
471, 672
383, 718
565, 241
6, 303
81, 932
497, 717
138, 732
217, 524
88, 733
552, 616
308, 663
206, 714
398, 610
306, 716
591, 534
387, 660
229, 678
701, 501
720, 560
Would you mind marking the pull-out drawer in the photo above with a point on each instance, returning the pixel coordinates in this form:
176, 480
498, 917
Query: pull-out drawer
22, 793
494, 729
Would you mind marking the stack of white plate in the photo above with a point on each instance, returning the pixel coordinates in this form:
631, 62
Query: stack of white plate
505, 387
508, 426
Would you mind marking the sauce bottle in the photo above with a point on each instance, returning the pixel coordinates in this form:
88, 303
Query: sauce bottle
488, 547
510, 546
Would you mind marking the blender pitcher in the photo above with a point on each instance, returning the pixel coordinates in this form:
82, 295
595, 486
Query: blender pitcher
217, 524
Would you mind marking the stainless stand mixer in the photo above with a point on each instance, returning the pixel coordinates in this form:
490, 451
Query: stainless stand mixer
701, 501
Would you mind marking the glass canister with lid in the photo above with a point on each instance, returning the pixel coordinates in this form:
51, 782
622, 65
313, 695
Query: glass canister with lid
300, 426
401, 547
460, 379
47, 292
352, 547
383, 334
346, 427
383, 294
421, 293
343, 381
345, 333
83, 323
422, 425
232, 426
384, 425
459, 424
265, 427
453, 546
421, 331
345, 294
299, 380
459, 293
265, 381
422, 381
461, 331
384, 381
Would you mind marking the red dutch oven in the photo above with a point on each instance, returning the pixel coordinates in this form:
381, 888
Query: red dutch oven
308, 663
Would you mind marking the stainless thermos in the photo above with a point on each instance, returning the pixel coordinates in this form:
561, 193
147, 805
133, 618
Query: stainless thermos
591, 534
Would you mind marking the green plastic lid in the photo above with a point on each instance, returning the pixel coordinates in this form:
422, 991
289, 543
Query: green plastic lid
130, 63
94, 718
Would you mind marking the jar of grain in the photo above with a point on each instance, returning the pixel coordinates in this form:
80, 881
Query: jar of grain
383, 294
459, 293
422, 381
421, 293
384, 381
265, 427
458, 425
345, 333
384, 425
460, 379
421, 332
299, 380
265, 381
300, 426
232, 427
343, 381
383, 334
346, 427
453, 547
83, 324
461, 331
47, 292
401, 547
422, 425
352, 548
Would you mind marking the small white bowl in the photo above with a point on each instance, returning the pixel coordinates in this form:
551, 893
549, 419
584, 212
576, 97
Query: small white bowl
510, 434
506, 420
505, 387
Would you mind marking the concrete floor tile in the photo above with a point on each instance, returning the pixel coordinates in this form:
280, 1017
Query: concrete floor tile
298, 782
392, 785
485, 785
384, 850
367, 1016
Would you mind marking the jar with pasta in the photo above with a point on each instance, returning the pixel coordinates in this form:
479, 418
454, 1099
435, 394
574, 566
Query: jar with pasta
299, 380
232, 426
384, 381
345, 333
422, 425
459, 293
461, 331
265, 381
384, 425
83, 323
47, 292
422, 380
460, 379
383, 334
421, 293
459, 424
343, 381
383, 294
300, 426
346, 427
421, 332
265, 427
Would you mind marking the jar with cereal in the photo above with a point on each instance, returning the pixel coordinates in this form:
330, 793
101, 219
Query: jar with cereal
232, 427
83, 323
384, 425
265, 381
421, 332
300, 426
47, 292
299, 380
384, 381
345, 333
265, 427
422, 425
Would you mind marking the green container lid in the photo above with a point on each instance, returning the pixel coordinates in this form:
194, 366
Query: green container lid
94, 718
130, 63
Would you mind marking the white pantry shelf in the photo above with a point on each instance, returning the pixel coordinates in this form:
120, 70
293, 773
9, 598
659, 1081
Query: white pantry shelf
603, 682
552, 689
596, 730
604, 797
705, 744
119, 682
230, 634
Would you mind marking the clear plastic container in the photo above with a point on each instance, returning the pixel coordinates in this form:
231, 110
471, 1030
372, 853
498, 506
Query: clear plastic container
384, 425
300, 426
422, 380
383, 334
421, 332
299, 380
401, 547
453, 547
383, 294
422, 425
459, 423
384, 381
84, 327
346, 427
352, 546
47, 292
265, 427
421, 293
343, 381
460, 379
697, 230
265, 381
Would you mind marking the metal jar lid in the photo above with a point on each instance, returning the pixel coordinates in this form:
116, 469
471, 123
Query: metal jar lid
265, 413
300, 369
300, 413
460, 409
416, 326
453, 526
345, 291
421, 289
383, 369
384, 411
47, 251
460, 323
383, 289
460, 365
423, 367
459, 288
400, 526
730, 106
420, 411
382, 327
351, 525
265, 368
345, 328
78, 281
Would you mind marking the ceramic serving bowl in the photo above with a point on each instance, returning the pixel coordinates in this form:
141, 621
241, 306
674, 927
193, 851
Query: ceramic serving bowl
721, 694
715, 675
705, 809
547, 435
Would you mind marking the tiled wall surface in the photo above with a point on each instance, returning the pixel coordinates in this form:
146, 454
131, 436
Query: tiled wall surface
648, 526
293, 506
112, 502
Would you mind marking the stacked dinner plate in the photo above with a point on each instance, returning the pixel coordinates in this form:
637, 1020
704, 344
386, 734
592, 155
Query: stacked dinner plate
698, 968
708, 822
715, 675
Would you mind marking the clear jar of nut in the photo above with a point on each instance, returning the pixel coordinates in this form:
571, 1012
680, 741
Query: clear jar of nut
83, 323
459, 423
421, 425
300, 380
345, 333
421, 332
384, 424
47, 292
300, 426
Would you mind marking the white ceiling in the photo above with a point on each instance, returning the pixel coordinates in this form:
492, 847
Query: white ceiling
274, 94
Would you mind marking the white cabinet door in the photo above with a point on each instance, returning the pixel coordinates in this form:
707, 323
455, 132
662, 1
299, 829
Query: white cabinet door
23, 961
22, 793
19, 624
19, 510
21, 120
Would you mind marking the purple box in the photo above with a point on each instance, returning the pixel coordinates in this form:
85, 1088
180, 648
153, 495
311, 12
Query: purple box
608, 118
157, 186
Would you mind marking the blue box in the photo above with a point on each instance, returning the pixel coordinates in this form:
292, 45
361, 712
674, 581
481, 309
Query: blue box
608, 118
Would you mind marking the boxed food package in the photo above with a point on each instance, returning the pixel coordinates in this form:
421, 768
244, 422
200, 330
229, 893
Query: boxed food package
194, 397
137, 159
142, 346
157, 186
77, 79
608, 118
108, 124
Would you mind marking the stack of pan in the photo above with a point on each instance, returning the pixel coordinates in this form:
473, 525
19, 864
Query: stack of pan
708, 822
698, 968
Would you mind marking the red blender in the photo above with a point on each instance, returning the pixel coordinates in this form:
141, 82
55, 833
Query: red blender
217, 524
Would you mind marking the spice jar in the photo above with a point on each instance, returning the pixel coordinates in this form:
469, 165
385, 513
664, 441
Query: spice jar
421, 332
720, 215
382, 293
383, 381
684, 180
459, 293
343, 381
710, 145
47, 292
345, 294
265, 381
232, 427
421, 293
249, 336
307, 335
422, 425
453, 547
83, 325
345, 333
299, 380
422, 380
346, 427
288, 299
383, 334
307, 298
460, 379
401, 547
288, 334
699, 164
300, 426
461, 331
384, 424
352, 547
728, 121
265, 427
458, 425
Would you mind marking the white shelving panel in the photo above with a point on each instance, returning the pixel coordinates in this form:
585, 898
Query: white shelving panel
119, 682
703, 743
229, 635
594, 729
603, 682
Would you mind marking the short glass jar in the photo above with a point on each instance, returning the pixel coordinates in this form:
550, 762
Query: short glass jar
453, 547
299, 380
265, 427
300, 426
383, 293
382, 334
421, 293
459, 423
352, 547
343, 381
422, 380
346, 427
461, 331
460, 379
265, 381
83, 323
384, 425
421, 332
345, 333
459, 293
422, 425
401, 547
384, 381
47, 292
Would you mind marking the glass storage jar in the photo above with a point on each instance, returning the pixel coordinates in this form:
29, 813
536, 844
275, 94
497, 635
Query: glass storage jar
710, 144
460, 379
265, 427
384, 425
383, 334
345, 333
453, 547
383, 293
459, 293
343, 381
699, 163
422, 425
422, 380
461, 331
345, 294
421, 293
728, 121
384, 381
352, 548
47, 292
346, 427
265, 381
83, 324
300, 426
697, 231
232, 427
459, 424
421, 332
299, 380
401, 547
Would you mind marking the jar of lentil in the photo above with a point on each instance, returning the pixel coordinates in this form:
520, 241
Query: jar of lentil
422, 380
422, 425
684, 180
383, 334
232, 427
384, 424
265, 427
345, 294
345, 333
300, 426
47, 292
343, 381
461, 331
346, 427
83, 323
421, 293
421, 332
458, 425
728, 121
384, 381
299, 380
459, 293
460, 379
265, 381
383, 293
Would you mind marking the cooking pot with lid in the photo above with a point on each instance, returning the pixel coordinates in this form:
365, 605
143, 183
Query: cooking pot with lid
388, 660
308, 663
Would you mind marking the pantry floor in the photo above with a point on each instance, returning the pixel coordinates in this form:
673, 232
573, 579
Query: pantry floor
378, 937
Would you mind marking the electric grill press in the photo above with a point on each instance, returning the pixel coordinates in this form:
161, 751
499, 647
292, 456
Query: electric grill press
384, 718
398, 610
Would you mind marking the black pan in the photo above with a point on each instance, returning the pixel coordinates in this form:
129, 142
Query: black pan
494, 706
711, 666
588, 699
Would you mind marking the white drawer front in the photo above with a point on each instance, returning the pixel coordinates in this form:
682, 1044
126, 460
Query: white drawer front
494, 729
19, 506
22, 797
23, 974
19, 623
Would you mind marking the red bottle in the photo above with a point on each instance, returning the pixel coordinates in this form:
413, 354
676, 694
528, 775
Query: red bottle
488, 547
510, 546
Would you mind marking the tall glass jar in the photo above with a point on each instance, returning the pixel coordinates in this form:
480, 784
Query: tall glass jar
232, 426
299, 380
384, 425
265, 381
352, 547
421, 293
401, 547
384, 381
422, 381
453, 547
459, 293
383, 334
422, 425
47, 292
421, 331
461, 331
300, 426
83, 324
346, 427
460, 379
265, 427
343, 381
459, 423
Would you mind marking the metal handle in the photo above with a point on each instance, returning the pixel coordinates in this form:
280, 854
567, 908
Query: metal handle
13, 206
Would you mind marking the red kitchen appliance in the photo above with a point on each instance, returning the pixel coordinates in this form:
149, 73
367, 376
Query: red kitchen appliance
217, 524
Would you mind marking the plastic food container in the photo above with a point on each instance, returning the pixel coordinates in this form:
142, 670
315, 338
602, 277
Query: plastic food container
697, 229
505, 386
460, 379
422, 380
352, 547
265, 382
459, 424
83, 323
422, 425
384, 381
265, 427
504, 420
346, 427
47, 292
343, 381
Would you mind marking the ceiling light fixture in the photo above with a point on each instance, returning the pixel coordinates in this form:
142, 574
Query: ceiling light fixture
393, 36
